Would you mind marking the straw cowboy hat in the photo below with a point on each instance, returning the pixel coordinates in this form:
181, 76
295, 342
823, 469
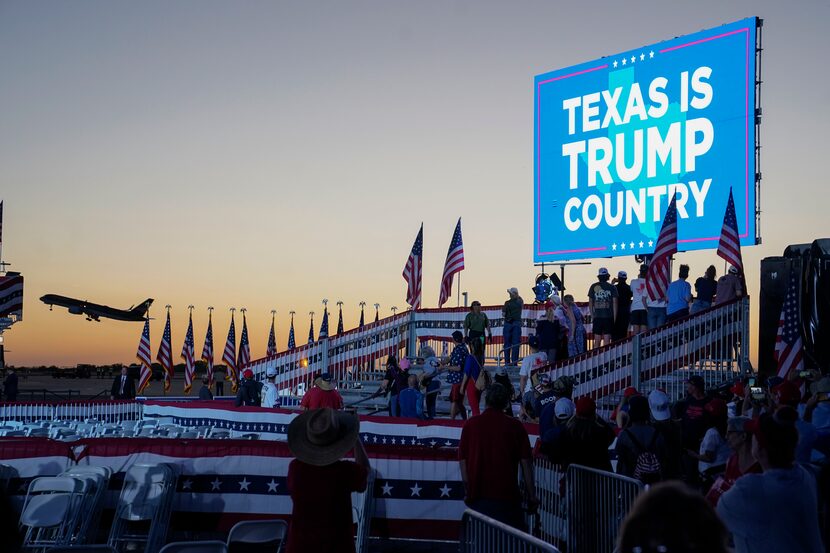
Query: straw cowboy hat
323, 381
322, 436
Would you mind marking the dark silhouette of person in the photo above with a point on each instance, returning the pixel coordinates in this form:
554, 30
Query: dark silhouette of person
123, 387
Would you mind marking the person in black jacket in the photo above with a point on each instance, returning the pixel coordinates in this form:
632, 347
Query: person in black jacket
10, 385
123, 386
249, 392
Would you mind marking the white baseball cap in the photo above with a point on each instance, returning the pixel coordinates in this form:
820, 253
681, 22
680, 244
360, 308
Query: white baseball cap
271, 372
564, 408
658, 402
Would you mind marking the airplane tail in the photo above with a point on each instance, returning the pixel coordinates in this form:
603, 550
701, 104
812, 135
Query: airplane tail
141, 309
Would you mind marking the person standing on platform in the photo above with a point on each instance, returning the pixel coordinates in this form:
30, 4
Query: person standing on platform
548, 331
123, 386
639, 315
476, 324
472, 370
411, 400
729, 286
577, 336
204, 392
394, 381
322, 394
603, 302
624, 299
679, 295
455, 374
249, 392
489, 466
270, 394
320, 483
219, 381
512, 332
530, 363
705, 288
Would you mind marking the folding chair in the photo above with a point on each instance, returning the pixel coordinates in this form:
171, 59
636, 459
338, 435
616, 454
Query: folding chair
97, 479
146, 498
195, 547
50, 511
257, 535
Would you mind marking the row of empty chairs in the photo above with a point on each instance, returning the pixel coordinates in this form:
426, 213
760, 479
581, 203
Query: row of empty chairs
247, 536
75, 430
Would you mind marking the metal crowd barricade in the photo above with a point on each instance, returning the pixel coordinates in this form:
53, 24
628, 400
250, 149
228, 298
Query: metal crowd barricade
482, 534
103, 411
552, 510
363, 509
598, 501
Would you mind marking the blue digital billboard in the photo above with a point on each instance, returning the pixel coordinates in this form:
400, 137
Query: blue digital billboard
616, 138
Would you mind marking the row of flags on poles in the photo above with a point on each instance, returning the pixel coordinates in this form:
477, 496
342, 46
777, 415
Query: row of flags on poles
234, 359
413, 274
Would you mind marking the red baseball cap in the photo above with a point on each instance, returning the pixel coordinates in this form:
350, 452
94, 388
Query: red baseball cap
249, 374
630, 391
738, 389
586, 407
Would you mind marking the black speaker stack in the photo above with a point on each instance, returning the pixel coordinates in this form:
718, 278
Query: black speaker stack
811, 265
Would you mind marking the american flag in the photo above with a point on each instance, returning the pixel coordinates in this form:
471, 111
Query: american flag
324, 326
291, 341
143, 355
165, 354
207, 351
272, 340
658, 276
340, 321
229, 356
412, 271
311, 331
729, 246
454, 264
244, 357
789, 350
187, 355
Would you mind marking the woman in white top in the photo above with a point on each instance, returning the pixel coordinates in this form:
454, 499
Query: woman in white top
639, 313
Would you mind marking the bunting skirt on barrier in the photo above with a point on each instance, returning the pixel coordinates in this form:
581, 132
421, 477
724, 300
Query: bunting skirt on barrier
418, 491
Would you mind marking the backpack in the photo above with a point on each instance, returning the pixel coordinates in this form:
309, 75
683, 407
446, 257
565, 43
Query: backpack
647, 468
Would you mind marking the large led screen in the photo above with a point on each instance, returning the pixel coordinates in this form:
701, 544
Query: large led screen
617, 137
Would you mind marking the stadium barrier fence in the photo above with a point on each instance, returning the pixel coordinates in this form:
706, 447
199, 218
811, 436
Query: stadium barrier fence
597, 503
482, 534
103, 411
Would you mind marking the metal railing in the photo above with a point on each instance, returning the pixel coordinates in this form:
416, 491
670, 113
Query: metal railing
598, 501
103, 411
482, 534
713, 343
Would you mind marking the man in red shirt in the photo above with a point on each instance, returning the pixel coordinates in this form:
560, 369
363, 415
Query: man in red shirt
492, 447
322, 394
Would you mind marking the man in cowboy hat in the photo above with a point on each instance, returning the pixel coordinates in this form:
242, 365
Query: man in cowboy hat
323, 394
321, 483
249, 391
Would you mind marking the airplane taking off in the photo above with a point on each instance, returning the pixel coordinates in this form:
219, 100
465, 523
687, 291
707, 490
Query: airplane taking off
93, 311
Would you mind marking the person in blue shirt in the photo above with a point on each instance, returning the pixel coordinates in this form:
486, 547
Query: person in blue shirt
411, 400
679, 295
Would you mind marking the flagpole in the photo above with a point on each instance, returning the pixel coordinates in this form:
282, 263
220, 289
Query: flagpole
166, 372
458, 291
212, 352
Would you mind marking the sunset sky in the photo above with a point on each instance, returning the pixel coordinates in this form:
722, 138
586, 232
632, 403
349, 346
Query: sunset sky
271, 154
